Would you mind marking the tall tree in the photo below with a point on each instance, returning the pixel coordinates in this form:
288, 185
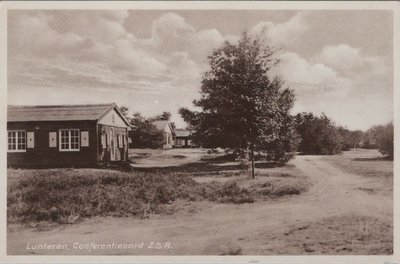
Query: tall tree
243, 108
319, 135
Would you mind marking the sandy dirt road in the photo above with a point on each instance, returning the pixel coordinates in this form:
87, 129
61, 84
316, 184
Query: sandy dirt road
316, 222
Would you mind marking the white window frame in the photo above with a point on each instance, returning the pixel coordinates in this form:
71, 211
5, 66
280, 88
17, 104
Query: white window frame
69, 140
16, 141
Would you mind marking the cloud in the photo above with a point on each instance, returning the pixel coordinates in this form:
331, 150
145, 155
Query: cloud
61, 52
170, 26
302, 74
136, 60
282, 34
349, 60
34, 35
171, 33
91, 56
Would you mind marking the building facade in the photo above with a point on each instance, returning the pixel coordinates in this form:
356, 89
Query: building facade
166, 128
66, 135
183, 139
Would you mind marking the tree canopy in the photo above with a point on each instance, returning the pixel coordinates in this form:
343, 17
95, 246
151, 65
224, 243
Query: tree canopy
381, 137
243, 107
319, 135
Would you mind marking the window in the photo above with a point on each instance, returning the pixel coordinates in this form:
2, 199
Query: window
179, 142
69, 140
16, 141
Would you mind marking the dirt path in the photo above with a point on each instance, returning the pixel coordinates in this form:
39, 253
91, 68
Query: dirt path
170, 158
211, 229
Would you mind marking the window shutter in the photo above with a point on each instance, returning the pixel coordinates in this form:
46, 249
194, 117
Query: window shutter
30, 137
103, 141
120, 141
84, 138
109, 138
53, 139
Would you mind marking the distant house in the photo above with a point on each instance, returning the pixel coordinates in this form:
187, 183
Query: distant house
166, 128
66, 135
183, 139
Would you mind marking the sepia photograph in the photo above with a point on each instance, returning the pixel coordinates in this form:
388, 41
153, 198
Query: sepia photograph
199, 131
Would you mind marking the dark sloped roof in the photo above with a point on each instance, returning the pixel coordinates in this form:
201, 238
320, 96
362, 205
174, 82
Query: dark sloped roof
182, 133
23, 113
160, 124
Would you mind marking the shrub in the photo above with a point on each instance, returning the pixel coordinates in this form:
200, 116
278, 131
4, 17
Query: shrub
67, 195
278, 188
224, 193
55, 196
383, 138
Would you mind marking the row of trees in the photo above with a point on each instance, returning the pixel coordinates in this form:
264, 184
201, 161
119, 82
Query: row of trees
319, 135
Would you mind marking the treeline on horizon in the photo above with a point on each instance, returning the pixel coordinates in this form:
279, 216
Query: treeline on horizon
316, 135
320, 136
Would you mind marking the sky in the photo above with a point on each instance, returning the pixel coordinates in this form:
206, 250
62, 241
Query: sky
337, 62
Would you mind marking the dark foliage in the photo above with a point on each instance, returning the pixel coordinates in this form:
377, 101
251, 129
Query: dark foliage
143, 133
319, 135
382, 138
350, 139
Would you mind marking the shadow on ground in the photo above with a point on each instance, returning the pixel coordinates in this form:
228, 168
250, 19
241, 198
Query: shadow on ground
207, 165
373, 159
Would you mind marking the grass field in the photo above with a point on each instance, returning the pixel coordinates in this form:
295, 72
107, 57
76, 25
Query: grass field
341, 204
370, 164
69, 195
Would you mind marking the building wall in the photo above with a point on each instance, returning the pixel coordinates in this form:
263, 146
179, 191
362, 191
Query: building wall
112, 118
44, 155
183, 140
168, 140
107, 145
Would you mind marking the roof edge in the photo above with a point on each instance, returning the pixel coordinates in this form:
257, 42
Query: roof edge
114, 106
50, 106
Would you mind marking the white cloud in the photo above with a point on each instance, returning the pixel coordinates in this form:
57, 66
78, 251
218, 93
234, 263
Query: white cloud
35, 35
136, 60
203, 42
301, 74
170, 29
349, 60
282, 34
61, 51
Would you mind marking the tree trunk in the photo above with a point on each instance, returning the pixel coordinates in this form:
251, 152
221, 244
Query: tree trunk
252, 160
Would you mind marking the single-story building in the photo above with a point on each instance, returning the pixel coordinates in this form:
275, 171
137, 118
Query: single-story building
66, 135
166, 127
183, 139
